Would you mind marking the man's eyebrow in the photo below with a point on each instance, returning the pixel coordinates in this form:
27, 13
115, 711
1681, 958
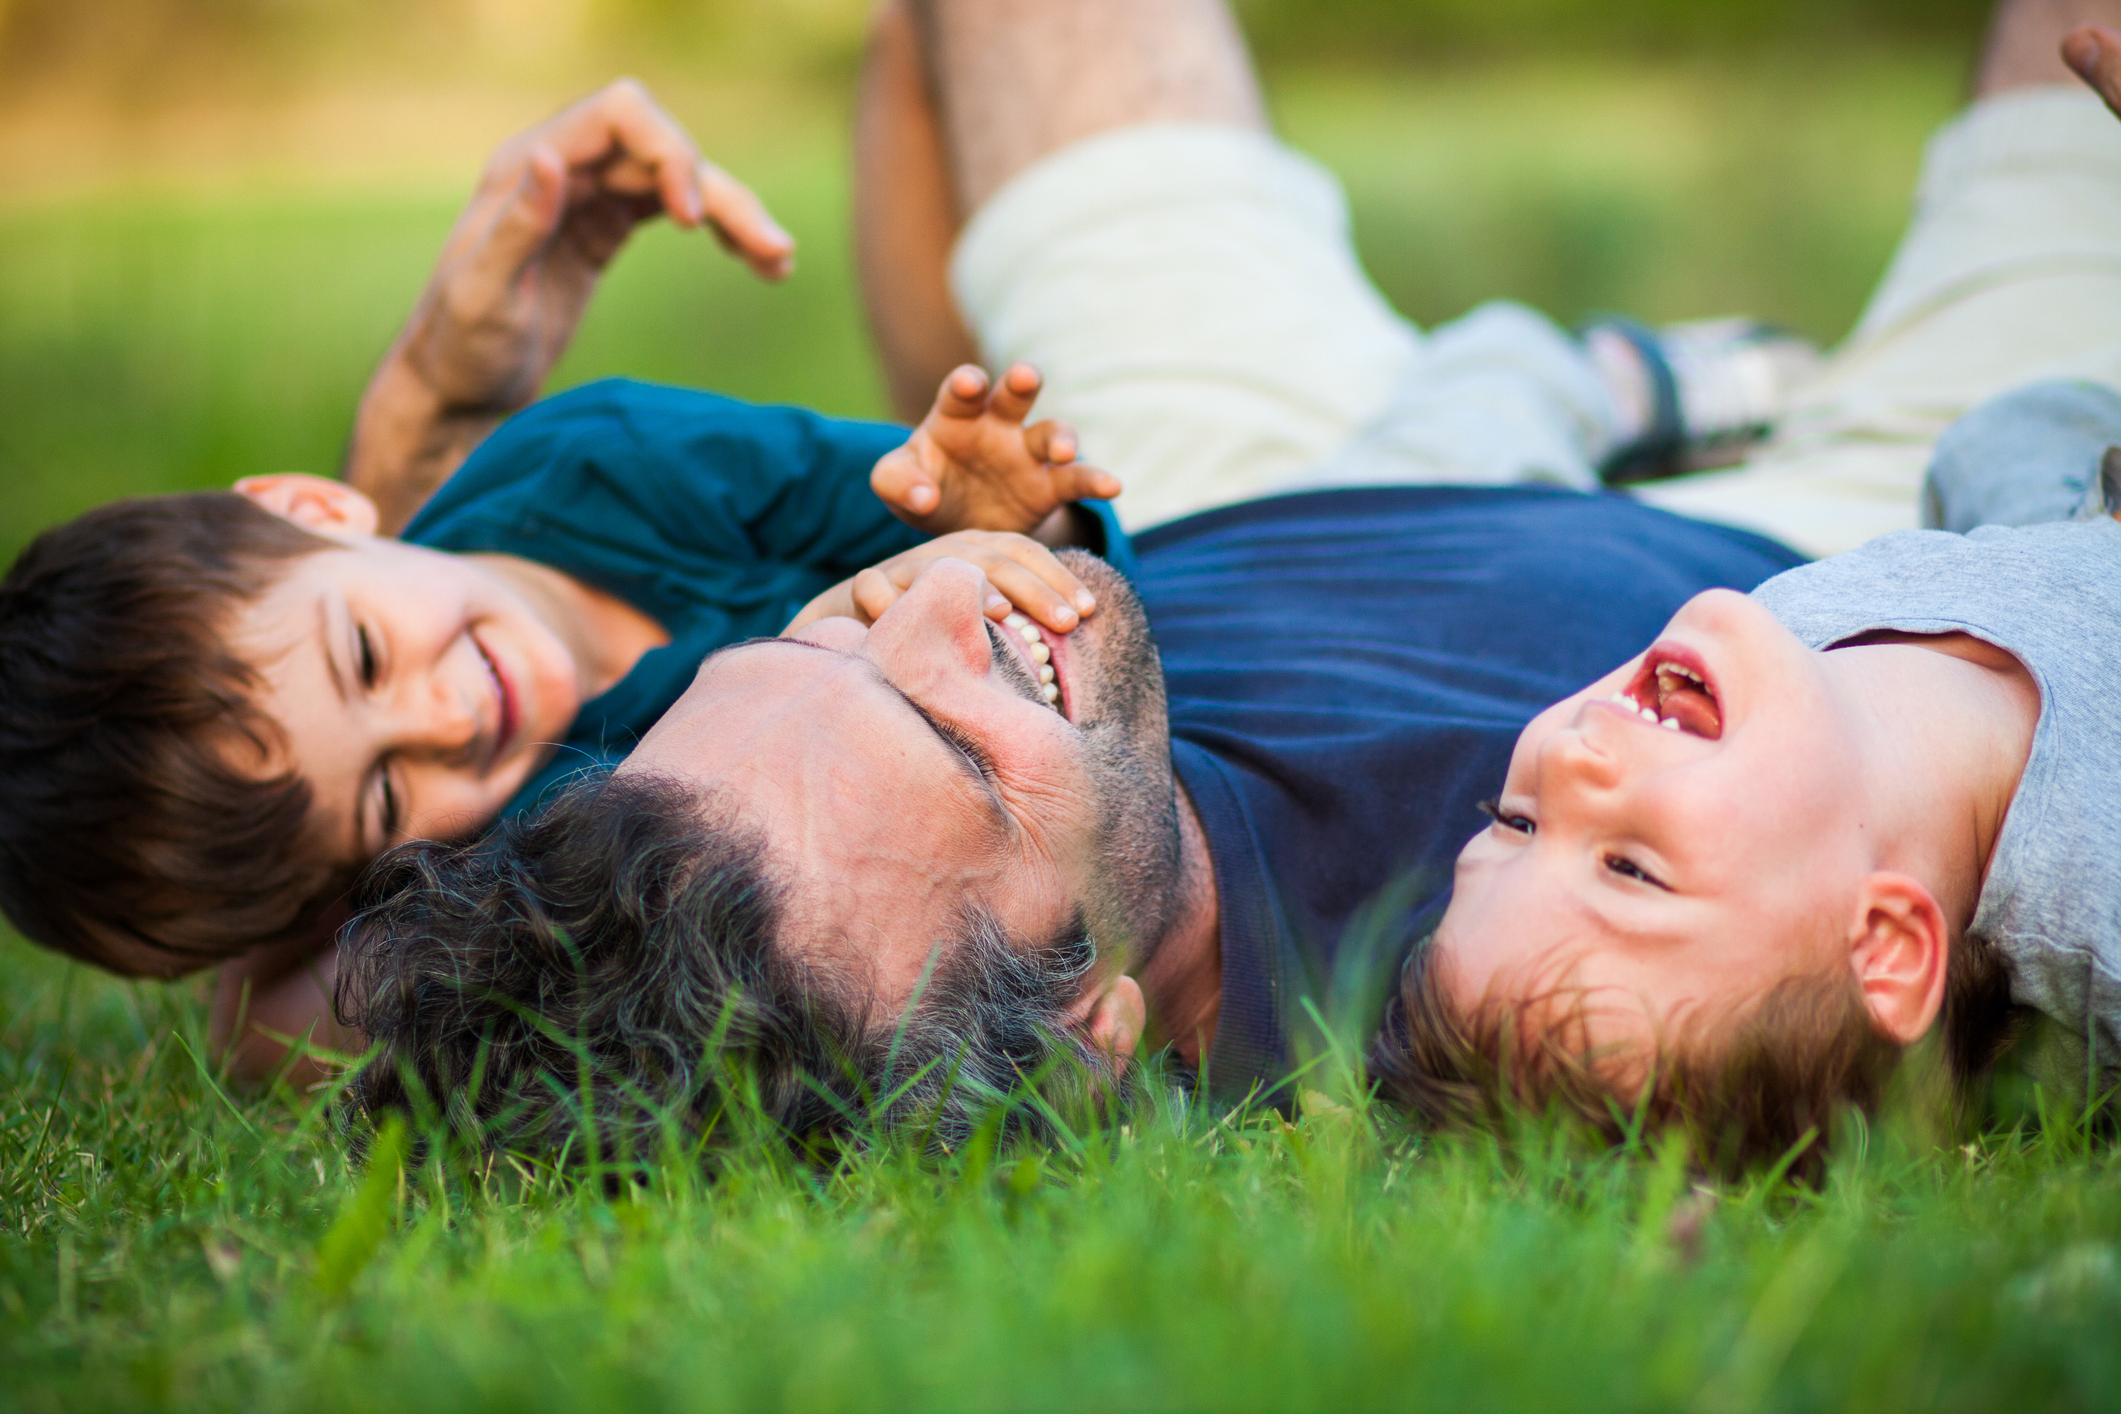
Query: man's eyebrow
964, 749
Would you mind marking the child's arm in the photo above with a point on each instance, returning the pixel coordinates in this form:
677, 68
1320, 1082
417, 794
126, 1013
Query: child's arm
1023, 574
552, 209
972, 464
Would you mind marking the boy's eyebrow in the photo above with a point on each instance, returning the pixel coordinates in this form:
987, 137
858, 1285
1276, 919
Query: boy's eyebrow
325, 636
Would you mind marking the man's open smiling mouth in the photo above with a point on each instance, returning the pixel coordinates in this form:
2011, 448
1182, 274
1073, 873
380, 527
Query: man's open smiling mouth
1027, 644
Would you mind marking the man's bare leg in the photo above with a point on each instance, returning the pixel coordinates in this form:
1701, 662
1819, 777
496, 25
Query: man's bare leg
2025, 41
905, 219
1015, 80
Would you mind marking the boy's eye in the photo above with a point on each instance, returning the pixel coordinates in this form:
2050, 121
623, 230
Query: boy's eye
366, 654
1628, 869
387, 808
1517, 823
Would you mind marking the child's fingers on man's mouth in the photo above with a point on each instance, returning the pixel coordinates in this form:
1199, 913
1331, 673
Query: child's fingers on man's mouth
1037, 595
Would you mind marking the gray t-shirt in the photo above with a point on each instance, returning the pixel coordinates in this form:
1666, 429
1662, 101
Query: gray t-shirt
2051, 596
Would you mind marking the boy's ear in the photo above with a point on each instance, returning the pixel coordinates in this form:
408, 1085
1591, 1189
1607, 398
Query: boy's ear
313, 502
1900, 947
1114, 1016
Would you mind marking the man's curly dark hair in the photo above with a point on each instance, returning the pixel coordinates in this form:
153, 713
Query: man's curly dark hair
614, 957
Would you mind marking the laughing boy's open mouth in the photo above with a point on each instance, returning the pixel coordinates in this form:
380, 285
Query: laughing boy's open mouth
1673, 689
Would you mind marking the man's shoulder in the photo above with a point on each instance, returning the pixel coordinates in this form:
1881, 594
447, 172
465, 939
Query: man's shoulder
1580, 531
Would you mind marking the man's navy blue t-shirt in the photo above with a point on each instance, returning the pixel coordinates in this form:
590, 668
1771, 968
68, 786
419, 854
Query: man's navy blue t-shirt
1348, 671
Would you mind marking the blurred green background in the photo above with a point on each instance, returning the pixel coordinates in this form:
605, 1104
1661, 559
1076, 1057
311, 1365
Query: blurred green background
213, 213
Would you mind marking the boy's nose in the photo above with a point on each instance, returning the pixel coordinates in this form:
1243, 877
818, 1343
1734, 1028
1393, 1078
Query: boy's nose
1574, 757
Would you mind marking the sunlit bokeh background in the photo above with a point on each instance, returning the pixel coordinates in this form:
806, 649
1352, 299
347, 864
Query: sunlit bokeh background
213, 213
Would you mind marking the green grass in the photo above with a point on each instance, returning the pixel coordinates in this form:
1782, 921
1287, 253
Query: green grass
167, 1244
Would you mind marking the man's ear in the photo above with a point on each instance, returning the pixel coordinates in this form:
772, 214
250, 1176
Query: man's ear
1900, 947
313, 502
1114, 1017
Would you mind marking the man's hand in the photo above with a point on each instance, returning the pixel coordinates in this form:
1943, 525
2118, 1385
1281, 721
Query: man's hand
1022, 575
553, 207
973, 465
2094, 52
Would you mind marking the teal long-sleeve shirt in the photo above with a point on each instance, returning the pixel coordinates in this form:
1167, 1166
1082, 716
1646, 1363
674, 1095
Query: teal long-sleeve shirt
717, 518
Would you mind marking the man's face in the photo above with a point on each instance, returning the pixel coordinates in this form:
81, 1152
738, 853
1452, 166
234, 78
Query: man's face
901, 776
1673, 865
415, 691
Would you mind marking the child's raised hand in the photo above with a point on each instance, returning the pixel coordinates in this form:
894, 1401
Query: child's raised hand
973, 465
1023, 575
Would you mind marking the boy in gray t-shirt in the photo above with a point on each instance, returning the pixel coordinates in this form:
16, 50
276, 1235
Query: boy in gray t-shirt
1730, 881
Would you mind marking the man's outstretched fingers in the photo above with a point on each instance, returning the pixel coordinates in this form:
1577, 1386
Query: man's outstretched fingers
2094, 52
521, 225
743, 224
620, 123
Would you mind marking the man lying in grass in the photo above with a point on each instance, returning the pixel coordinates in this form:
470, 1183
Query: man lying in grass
212, 724
1729, 883
870, 860
217, 708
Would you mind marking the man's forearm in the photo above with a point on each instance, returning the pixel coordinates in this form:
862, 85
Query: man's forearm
407, 441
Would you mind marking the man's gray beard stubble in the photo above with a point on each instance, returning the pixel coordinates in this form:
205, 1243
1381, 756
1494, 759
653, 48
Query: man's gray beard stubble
1138, 886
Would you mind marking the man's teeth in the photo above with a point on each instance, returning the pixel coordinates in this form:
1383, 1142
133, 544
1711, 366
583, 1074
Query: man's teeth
1040, 654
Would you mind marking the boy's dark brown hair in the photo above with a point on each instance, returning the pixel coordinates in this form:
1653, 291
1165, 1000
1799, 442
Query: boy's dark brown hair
1799, 1059
130, 834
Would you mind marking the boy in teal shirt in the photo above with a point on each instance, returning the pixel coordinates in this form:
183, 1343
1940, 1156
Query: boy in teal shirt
216, 708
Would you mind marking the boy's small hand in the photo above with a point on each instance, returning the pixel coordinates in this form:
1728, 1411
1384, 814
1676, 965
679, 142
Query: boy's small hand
973, 465
1022, 573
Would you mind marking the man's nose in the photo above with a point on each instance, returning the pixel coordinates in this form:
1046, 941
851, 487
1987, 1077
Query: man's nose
937, 628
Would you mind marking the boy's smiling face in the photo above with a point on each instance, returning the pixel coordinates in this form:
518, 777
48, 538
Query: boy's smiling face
415, 690
1672, 841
